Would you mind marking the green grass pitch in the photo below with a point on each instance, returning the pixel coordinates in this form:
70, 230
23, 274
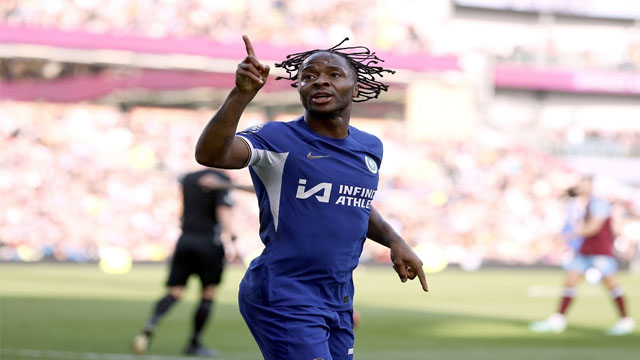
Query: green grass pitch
67, 311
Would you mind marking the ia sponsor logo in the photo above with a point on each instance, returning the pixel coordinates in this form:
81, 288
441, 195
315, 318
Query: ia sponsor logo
305, 194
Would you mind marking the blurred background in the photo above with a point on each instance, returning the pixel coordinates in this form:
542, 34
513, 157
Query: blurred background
497, 107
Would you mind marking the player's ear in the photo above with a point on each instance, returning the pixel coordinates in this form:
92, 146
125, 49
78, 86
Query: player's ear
356, 90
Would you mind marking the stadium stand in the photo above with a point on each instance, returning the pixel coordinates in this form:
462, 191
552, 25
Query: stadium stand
93, 133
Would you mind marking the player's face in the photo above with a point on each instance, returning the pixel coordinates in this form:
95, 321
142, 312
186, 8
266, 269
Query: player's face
327, 83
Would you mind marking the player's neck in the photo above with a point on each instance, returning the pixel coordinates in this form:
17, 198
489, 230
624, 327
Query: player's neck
330, 125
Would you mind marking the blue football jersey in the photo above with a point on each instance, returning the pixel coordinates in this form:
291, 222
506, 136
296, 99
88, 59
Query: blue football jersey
314, 194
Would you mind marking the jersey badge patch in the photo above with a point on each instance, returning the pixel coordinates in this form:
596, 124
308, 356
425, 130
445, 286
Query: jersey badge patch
254, 128
371, 164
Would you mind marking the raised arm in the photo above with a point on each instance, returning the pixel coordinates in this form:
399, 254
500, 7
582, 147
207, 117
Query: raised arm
405, 262
217, 145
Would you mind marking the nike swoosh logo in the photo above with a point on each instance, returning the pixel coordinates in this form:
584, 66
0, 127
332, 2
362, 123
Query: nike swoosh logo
311, 157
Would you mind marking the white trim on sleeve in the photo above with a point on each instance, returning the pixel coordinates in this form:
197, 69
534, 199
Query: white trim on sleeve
252, 153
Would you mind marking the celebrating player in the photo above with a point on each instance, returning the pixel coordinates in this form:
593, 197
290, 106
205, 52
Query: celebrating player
199, 250
595, 251
315, 178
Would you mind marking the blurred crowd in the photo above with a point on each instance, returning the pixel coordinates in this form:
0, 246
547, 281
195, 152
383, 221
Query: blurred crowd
13, 69
77, 178
482, 202
627, 58
580, 142
405, 26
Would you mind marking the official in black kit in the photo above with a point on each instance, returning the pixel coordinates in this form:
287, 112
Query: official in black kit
206, 219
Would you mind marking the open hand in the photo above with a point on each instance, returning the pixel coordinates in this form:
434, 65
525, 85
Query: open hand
251, 75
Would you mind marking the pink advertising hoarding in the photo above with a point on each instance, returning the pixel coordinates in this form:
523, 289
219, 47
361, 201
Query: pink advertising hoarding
581, 81
196, 46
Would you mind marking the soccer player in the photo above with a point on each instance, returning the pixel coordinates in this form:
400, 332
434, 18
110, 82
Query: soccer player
315, 178
595, 251
206, 219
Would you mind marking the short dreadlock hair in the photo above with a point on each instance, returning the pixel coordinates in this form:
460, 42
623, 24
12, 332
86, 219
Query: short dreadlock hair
361, 59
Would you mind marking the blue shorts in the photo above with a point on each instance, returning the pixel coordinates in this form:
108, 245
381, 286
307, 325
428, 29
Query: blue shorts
607, 265
299, 332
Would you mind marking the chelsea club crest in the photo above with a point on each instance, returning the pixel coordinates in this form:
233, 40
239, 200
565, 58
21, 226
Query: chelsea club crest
255, 128
371, 164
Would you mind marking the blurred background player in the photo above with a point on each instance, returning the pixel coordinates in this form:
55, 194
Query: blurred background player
595, 239
206, 221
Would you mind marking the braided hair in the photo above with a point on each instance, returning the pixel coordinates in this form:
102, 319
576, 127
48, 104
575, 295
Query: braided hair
361, 59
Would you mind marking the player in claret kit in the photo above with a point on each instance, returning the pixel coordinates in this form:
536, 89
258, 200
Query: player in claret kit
315, 178
595, 251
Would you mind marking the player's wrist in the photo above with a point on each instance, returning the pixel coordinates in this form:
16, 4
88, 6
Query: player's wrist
396, 240
246, 94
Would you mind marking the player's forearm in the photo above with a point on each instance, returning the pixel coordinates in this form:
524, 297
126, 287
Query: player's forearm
215, 142
591, 227
380, 231
247, 188
587, 231
226, 222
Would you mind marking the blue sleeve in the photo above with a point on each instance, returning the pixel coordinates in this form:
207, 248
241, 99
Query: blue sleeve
371, 142
380, 150
377, 150
266, 143
258, 136
599, 208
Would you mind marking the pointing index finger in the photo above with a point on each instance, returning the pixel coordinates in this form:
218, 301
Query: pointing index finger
423, 279
248, 46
